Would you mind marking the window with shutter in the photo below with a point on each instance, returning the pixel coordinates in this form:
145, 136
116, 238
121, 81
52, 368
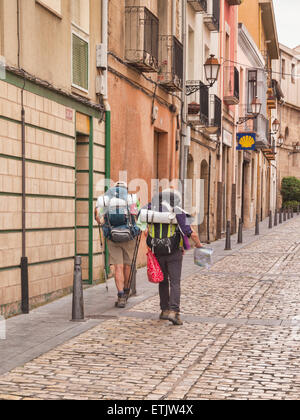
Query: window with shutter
80, 61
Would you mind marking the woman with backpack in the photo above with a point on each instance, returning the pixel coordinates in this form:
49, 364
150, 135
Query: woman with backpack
166, 241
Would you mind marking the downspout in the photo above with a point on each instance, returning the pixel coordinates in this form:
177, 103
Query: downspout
107, 113
24, 259
208, 199
183, 157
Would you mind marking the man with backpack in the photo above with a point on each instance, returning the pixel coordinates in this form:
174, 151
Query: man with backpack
168, 233
116, 211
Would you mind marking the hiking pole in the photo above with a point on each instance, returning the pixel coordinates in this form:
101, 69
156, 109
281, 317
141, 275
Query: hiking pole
101, 243
133, 265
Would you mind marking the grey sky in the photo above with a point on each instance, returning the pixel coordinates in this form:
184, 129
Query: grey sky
288, 21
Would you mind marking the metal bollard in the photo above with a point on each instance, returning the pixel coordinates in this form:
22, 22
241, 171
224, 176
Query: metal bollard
228, 237
270, 220
298, 210
280, 216
284, 214
276, 218
78, 305
292, 212
288, 214
240, 233
257, 225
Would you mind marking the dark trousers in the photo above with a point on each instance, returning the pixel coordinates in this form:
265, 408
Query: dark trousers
169, 289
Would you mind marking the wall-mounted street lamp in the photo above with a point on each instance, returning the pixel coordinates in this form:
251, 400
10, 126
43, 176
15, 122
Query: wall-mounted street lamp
212, 70
275, 126
280, 141
296, 149
255, 111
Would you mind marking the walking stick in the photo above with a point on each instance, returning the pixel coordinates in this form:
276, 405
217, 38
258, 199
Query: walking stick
133, 265
101, 243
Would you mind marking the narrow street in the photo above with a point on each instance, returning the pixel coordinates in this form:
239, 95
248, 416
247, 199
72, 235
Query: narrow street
240, 338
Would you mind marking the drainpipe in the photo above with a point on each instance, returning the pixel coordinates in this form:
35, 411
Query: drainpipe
208, 199
24, 259
104, 14
183, 148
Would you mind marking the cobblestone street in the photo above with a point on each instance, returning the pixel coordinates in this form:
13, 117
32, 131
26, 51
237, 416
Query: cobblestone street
240, 339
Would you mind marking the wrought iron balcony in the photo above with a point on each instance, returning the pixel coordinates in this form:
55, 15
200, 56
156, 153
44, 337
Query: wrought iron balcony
231, 85
212, 19
198, 106
204, 110
199, 6
261, 127
141, 38
171, 63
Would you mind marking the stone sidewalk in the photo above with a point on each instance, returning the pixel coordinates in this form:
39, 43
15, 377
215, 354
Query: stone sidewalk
240, 338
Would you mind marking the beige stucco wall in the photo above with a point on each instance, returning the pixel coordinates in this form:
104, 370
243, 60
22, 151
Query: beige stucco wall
45, 40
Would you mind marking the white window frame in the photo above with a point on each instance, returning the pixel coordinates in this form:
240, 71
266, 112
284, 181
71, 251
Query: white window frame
72, 75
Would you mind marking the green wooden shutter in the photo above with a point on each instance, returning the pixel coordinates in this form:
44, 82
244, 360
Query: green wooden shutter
80, 62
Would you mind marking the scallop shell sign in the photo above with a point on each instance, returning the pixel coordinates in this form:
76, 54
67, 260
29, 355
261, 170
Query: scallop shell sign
246, 141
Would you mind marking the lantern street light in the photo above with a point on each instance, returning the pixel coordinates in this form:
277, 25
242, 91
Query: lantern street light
255, 111
280, 141
212, 70
275, 126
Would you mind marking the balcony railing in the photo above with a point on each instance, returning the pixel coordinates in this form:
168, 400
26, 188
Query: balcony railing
261, 127
141, 38
212, 19
171, 63
198, 106
215, 120
231, 85
199, 6
204, 110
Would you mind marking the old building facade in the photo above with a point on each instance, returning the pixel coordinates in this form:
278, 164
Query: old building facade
52, 148
93, 90
286, 73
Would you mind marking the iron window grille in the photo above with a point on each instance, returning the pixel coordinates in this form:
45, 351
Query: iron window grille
198, 106
171, 63
232, 85
141, 38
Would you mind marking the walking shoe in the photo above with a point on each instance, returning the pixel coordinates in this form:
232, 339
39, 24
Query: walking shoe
164, 316
174, 317
121, 301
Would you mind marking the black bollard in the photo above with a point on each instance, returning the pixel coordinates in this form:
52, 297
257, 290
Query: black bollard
257, 225
77, 306
280, 216
228, 237
288, 214
276, 218
284, 214
240, 233
292, 212
298, 210
270, 220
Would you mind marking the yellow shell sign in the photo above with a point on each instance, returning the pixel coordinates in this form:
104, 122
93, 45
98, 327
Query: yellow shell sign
246, 141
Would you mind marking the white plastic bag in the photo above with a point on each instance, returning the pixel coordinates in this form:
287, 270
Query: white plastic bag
203, 257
